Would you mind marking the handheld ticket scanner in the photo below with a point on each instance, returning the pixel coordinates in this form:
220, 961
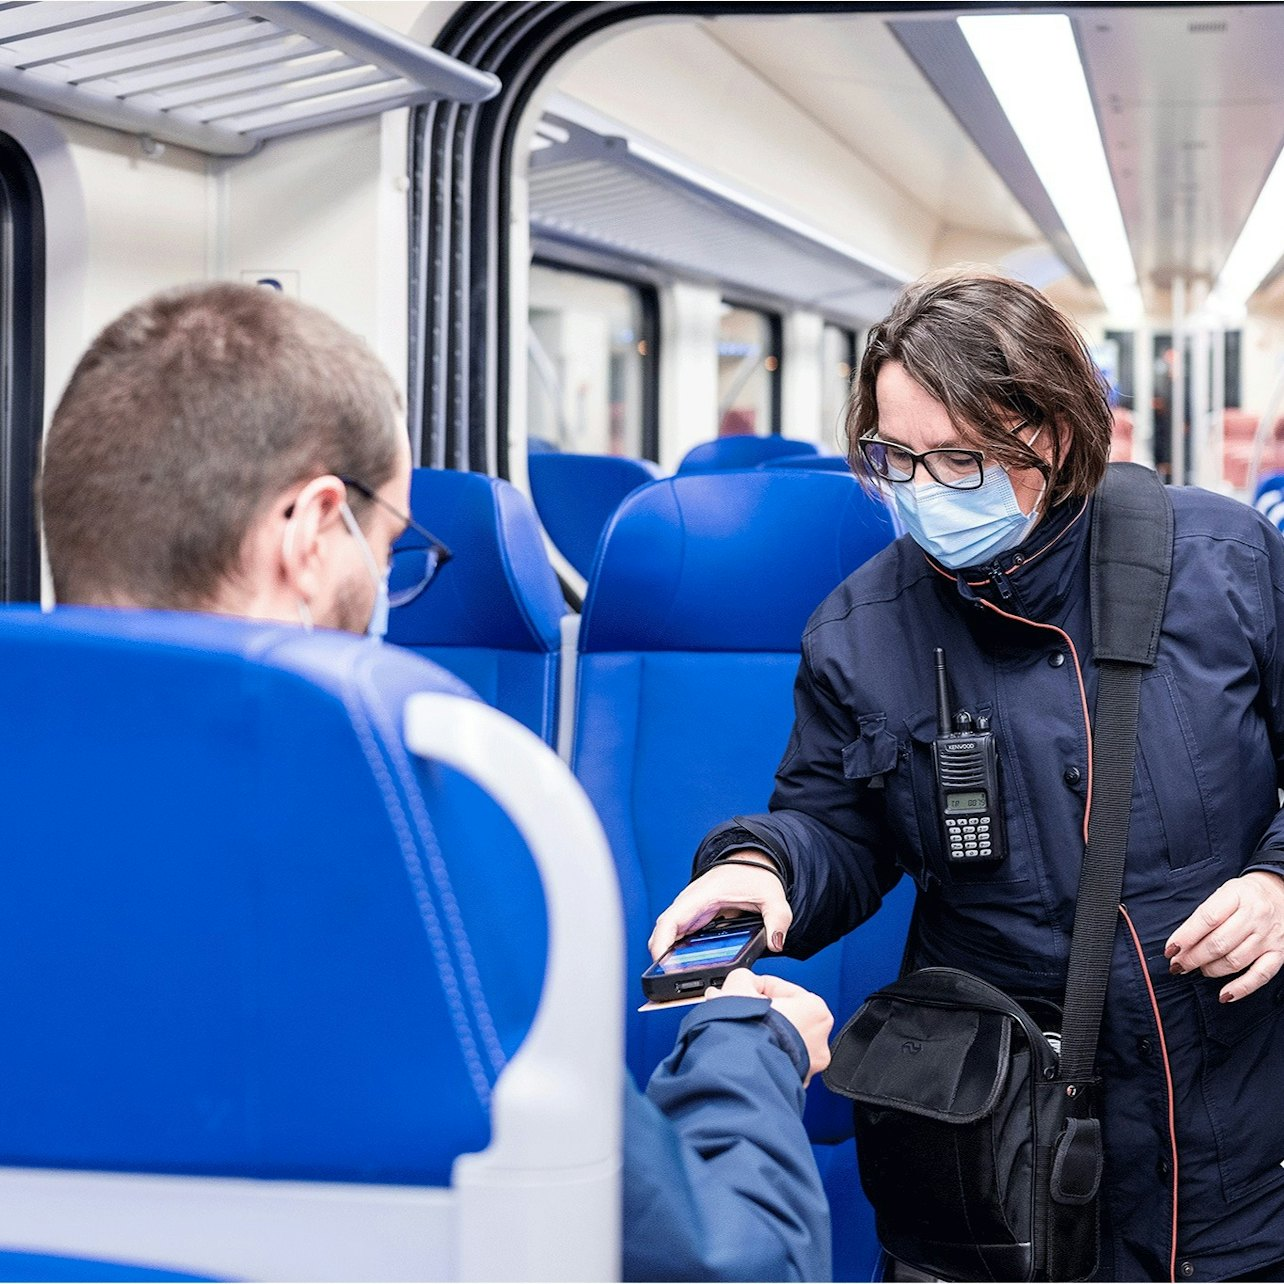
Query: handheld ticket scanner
966, 760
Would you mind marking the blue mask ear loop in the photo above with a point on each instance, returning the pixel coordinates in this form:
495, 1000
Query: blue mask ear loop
378, 626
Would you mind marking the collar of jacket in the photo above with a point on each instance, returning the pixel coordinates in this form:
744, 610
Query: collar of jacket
1034, 579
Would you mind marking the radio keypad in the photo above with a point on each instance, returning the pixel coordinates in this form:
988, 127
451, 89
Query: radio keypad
969, 837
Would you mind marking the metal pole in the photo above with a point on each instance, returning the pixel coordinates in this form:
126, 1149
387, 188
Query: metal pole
1178, 415
1200, 464
1217, 406
1143, 396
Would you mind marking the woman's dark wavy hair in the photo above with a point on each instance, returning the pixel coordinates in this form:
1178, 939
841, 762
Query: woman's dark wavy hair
990, 348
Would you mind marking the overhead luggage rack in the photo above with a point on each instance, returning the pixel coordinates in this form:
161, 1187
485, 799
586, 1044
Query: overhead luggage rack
616, 197
217, 76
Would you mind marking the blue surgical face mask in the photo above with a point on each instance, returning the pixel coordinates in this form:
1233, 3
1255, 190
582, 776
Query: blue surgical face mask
965, 527
378, 626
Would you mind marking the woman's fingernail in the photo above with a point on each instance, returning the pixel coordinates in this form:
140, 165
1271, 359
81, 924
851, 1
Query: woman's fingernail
1175, 970
777, 941
1227, 998
1172, 951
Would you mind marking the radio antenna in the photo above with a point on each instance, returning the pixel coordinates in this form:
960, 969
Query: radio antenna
943, 717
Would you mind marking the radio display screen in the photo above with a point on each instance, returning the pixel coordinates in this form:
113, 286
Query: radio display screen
965, 802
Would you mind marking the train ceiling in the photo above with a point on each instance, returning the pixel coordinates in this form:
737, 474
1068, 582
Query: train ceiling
1188, 97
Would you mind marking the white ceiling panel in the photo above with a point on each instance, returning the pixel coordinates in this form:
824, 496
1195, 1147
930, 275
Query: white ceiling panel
1191, 105
850, 75
1189, 97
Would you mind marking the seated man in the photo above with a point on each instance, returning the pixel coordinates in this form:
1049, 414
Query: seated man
224, 449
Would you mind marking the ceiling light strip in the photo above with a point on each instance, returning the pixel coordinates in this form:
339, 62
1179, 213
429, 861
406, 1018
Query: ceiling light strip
1256, 252
1033, 66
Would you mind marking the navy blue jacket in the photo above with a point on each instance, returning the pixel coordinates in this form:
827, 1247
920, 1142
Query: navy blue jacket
855, 807
719, 1178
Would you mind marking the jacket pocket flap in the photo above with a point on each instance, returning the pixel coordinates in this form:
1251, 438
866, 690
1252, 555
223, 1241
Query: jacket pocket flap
873, 754
1077, 1162
948, 1064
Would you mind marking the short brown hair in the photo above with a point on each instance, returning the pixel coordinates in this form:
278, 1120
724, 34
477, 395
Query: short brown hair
988, 347
182, 422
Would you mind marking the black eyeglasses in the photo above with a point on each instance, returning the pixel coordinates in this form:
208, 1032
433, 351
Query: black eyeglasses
957, 469
417, 555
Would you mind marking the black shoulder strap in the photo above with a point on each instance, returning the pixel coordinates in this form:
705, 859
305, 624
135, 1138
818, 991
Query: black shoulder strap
1132, 556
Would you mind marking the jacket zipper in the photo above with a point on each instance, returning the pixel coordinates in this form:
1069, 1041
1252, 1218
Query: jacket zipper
998, 577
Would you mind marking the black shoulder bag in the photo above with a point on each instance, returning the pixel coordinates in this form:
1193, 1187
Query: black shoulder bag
978, 1143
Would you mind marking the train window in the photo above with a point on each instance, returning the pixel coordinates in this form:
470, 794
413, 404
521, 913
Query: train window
591, 352
838, 359
22, 294
748, 371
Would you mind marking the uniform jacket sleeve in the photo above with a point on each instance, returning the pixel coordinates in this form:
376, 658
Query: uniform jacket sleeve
1270, 850
719, 1178
825, 826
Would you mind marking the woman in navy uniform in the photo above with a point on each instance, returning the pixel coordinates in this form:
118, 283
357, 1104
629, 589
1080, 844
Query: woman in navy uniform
980, 415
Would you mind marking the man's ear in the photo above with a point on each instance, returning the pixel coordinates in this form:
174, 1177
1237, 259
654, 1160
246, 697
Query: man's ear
314, 514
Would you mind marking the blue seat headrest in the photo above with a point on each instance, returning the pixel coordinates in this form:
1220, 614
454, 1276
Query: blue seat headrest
1271, 481
498, 591
742, 451
813, 463
732, 561
577, 495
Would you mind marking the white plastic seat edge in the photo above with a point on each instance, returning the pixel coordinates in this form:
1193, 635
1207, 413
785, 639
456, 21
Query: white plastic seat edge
542, 1202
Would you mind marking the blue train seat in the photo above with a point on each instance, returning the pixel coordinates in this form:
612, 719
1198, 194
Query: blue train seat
576, 495
1268, 498
741, 451
493, 614
689, 645
810, 463
270, 966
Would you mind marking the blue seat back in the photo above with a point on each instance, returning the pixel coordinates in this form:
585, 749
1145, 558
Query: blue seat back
576, 495
242, 932
689, 647
1269, 499
809, 463
1271, 483
492, 616
741, 451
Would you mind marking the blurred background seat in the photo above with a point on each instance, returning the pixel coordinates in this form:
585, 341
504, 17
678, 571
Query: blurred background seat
740, 451
577, 495
492, 615
809, 463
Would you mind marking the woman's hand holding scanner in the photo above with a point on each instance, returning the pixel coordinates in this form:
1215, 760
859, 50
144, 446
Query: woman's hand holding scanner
730, 887
1239, 928
808, 1013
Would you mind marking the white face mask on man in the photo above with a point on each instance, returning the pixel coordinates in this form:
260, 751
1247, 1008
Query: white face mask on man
378, 626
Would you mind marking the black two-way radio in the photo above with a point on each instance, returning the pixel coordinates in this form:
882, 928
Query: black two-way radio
966, 759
